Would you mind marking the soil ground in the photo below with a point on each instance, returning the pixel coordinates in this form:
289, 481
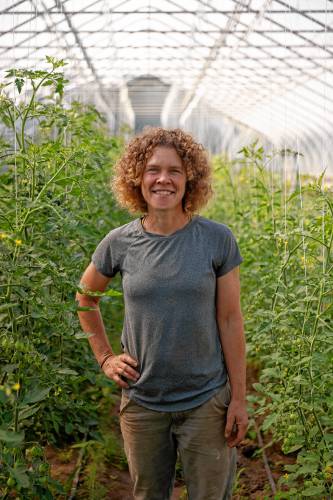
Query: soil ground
252, 480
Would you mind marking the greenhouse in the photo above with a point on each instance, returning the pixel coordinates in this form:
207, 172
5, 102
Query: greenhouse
230, 105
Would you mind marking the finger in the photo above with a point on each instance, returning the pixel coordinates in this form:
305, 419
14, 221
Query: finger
233, 443
130, 373
237, 437
124, 369
233, 440
126, 358
229, 424
242, 431
120, 382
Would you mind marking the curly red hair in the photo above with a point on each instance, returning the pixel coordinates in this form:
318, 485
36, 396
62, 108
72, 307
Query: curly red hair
126, 182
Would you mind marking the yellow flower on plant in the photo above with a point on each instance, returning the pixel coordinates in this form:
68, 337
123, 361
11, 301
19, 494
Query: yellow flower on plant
8, 391
3, 236
286, 476
16, 386
18, 242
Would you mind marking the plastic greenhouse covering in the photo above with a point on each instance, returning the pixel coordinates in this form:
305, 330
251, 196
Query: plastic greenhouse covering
229, 71
252, 81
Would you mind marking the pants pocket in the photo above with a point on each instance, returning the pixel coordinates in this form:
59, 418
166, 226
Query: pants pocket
124, 403
223, 397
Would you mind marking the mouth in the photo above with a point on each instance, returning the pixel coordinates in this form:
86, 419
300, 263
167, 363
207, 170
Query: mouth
162, 192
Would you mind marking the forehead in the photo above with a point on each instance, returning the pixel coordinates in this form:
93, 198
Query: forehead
165, 154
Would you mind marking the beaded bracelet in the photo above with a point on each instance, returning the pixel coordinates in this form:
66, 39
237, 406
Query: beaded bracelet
106, 357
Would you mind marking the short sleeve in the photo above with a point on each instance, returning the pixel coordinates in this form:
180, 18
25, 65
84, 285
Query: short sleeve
231, 256
104, 257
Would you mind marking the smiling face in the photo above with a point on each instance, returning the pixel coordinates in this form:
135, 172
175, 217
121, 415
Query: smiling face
164, 180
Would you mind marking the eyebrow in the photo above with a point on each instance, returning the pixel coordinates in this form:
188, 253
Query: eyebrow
157, 165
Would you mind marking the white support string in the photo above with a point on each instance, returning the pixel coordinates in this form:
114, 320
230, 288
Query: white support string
324, 135
299, 177
14, 117
284, 195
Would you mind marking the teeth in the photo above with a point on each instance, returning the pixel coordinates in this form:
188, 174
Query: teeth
162, 192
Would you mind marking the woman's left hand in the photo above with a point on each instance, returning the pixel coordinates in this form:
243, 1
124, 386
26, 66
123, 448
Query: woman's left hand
237, 421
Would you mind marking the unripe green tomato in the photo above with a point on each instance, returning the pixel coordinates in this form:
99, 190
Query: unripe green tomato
11, 482
36, 451
43, 468
18, 345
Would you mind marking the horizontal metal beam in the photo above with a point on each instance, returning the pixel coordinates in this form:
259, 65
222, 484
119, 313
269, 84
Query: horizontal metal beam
135, 58
167, 12
188, 32
176, 46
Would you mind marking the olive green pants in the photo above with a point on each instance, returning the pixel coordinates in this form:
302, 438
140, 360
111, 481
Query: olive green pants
152, 440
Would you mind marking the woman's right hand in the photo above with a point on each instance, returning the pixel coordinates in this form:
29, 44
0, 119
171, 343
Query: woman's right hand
119, 367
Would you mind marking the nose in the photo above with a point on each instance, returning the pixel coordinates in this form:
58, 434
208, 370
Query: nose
163, 177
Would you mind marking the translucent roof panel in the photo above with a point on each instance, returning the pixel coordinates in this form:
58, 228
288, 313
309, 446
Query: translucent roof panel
267, 64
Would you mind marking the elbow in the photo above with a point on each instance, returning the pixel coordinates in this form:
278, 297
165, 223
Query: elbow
86, 301
230, 321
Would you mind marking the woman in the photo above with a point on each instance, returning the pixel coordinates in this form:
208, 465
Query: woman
182, 337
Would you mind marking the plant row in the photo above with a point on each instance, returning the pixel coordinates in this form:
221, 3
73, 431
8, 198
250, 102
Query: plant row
285, 232
55, 205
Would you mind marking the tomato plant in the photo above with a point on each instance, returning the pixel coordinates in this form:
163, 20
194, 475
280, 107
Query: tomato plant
55, 205
285, 230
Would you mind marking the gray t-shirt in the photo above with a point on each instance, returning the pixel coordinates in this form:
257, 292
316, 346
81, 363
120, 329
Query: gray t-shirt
170, 327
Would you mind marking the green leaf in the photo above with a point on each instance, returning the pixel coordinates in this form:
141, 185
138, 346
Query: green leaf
28, 411
269, 421
108, 293
313, 491
83, 335
309, 468
47, 83
9, 305
112, 293
19, 82
9, 368
258, 387
56, 63
36, 395
19, 472
320, 178
291, 467
294, 448
11, 437
67, 371
329, 437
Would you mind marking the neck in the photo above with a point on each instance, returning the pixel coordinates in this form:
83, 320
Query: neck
164, 223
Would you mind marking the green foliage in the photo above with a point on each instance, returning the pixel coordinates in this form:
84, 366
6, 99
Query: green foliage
104, 452
285, 231
55, 205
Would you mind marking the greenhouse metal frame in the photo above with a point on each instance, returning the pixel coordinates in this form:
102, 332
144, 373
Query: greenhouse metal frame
265, 67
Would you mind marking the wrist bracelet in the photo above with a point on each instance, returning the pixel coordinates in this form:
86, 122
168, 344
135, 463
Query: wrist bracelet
106, 357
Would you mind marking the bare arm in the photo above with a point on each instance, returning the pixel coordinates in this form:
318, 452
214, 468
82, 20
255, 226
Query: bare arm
230, 323
92, 322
